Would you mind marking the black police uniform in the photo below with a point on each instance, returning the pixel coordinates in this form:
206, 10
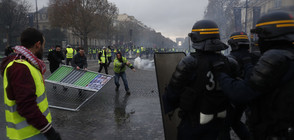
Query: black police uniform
239, 43
269, 86
194, 89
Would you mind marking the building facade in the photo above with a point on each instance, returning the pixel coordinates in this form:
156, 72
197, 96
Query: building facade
257, 8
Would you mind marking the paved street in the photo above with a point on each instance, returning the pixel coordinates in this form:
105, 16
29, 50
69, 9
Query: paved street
110, 115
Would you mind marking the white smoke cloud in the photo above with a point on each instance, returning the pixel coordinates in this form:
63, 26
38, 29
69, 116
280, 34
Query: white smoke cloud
144, 64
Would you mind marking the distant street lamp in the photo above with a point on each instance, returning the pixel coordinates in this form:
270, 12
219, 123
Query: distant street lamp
37, 16
246, 6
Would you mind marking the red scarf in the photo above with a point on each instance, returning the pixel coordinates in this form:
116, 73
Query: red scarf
36, 62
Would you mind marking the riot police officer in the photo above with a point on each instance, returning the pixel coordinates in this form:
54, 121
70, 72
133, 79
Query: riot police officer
239, 44
193, 87
269, 85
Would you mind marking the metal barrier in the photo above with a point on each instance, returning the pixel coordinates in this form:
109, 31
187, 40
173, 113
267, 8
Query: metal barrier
69, 88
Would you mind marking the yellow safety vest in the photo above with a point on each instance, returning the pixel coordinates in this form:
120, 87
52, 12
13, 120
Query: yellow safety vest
108, 54
103, 57
16, 125
69, 53
89, 51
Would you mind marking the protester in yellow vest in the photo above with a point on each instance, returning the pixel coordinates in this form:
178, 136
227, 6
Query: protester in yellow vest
134, 51
141, 51
94, 53
108, 54
138, 52
75, 51
127, 50
25, 102
102, 60
90, 52
69, 54
120, 63
50, 50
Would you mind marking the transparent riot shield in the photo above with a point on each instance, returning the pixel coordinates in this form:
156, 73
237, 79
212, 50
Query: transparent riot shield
165, 65
68, 88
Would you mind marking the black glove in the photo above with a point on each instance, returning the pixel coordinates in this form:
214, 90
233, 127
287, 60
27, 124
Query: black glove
51, 134
219, 67
243, 57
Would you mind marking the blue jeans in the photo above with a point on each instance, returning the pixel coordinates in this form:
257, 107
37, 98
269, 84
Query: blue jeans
124, 78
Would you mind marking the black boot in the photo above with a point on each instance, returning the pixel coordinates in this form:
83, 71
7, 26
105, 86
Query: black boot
128, 92
116, 88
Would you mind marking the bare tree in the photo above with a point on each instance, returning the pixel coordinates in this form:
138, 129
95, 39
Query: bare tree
107, 21
13, 19
82, 17
221, 11
53, 36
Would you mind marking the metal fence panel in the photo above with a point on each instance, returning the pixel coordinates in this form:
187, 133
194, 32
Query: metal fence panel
69, 88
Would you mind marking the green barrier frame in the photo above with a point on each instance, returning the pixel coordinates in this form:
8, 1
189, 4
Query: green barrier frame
80, 78
85, 81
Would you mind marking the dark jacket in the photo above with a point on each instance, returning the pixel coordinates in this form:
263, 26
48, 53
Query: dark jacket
269, 91
80, 61
250, 88
55, 58
193, 75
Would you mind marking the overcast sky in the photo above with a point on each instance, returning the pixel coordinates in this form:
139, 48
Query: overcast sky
173, 18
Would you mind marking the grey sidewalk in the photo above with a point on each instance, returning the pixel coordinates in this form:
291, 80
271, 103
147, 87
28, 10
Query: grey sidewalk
110, 115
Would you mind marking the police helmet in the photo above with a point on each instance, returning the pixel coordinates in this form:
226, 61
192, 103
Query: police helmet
204, 29
238, 39
205, 36
275, 26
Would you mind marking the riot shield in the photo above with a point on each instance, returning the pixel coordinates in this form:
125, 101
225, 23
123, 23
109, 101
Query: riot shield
165, 65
